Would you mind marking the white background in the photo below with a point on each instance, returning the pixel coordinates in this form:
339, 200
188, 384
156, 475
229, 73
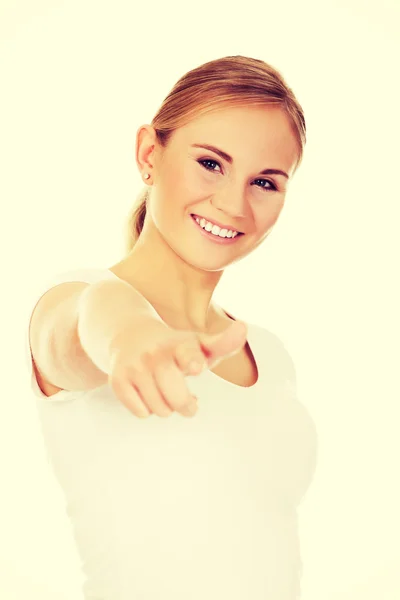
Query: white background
77, 80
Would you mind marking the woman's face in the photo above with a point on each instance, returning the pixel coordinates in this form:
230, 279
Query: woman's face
231, 190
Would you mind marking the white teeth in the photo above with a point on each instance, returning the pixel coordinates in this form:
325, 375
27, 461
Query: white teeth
215, 230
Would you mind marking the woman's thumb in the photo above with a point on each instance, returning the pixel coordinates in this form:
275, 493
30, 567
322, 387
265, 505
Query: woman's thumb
221, 345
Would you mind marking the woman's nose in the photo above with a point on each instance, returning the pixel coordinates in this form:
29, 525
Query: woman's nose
230, 201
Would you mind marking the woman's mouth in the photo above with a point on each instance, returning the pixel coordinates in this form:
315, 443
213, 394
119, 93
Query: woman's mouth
214, 231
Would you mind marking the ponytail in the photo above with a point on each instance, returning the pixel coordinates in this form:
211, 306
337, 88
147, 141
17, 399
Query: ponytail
135, 220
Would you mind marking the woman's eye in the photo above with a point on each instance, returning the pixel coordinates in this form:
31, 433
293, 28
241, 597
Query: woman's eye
272, 188
209, 160
203, 162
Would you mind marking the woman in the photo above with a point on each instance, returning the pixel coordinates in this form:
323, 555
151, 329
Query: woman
171, 507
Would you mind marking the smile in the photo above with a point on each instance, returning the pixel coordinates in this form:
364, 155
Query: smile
214, 232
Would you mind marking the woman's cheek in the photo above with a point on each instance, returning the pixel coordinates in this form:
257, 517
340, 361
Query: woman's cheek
205, 186
197, 183
266, 219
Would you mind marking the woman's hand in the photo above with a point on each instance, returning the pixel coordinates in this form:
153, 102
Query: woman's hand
152, 379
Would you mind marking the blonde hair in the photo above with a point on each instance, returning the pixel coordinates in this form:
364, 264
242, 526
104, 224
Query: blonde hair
232, 80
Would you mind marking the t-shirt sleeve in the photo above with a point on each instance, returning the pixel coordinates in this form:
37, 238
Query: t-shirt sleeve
35, 293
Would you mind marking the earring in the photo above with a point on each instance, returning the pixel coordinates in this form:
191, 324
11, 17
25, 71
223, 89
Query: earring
146, 176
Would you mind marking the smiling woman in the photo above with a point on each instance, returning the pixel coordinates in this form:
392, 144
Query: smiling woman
233, 81
229, 190
163, 507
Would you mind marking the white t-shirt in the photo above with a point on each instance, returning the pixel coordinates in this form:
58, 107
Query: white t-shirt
201, 508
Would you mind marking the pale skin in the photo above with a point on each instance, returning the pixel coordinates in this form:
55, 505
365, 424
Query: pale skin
172, 264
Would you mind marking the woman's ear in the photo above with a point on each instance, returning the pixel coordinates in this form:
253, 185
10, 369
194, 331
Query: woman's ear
146, 142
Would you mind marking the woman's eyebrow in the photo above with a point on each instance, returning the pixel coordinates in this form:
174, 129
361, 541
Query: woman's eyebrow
229, 159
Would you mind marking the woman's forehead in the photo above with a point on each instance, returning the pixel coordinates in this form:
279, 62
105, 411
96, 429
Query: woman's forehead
239, 119
237, 129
